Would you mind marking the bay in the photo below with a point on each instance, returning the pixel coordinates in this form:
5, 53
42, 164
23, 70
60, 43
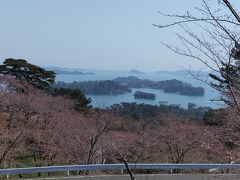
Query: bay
104, 101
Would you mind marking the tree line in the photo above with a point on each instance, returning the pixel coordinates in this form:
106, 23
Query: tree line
48, 129
44, 128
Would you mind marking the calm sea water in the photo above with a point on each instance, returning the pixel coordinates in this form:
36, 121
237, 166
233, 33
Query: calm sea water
108, 100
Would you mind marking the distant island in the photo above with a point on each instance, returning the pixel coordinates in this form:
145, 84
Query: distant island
73, 72
144, 95
168, 86
107, 87
184, 72
68, 71
134, 71
124, 85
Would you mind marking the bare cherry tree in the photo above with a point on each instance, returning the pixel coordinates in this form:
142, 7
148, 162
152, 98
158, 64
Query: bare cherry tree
31, 117
44, 140
212, 37
82, 142
123, 159
15, 104
221, 142
176, 139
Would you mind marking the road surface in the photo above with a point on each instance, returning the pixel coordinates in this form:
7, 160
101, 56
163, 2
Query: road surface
156, 177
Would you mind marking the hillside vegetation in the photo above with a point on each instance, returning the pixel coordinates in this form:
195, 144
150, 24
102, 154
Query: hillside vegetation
42, 127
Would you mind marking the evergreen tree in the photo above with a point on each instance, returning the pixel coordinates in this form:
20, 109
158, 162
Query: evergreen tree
81, 101
33, 74
229, 79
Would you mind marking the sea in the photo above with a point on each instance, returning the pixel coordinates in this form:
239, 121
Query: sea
104, 101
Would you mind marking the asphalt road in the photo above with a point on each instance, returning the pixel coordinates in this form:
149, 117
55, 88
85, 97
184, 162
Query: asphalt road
157, 177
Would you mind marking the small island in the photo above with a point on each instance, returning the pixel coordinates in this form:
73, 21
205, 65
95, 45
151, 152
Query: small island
134, 71
73, 72
68, 71
168, 86
144, 95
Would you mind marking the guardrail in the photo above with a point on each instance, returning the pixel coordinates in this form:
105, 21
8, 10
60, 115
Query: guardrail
113, 167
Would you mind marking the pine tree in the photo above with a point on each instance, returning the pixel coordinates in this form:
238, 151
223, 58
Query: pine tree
33, 74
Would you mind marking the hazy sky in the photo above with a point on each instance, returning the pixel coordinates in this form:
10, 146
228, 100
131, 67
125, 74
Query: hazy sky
91, 34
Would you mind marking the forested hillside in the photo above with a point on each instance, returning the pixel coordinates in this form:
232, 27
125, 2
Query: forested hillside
41, 127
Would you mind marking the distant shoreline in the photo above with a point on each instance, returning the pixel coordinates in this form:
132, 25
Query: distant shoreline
73, 73
123, 85
106, 100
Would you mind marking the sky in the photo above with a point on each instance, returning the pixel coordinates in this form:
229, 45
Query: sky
92, 34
